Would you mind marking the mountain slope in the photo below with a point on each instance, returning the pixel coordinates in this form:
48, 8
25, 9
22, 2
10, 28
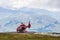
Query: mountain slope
41, 20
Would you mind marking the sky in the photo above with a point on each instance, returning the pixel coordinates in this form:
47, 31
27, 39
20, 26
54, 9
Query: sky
12, 12
51, 5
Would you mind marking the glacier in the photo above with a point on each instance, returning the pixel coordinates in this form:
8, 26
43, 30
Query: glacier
41, 20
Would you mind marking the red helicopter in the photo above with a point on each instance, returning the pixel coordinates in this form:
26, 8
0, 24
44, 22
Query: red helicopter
22, 28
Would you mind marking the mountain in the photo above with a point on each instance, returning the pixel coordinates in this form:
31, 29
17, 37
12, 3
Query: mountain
41, 20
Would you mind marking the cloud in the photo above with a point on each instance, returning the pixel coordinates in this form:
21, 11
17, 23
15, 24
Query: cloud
51, 5
14, 4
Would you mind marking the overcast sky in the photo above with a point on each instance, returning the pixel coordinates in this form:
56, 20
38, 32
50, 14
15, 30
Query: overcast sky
51, 5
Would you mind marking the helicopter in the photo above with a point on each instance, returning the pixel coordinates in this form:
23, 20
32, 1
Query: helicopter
22, 28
